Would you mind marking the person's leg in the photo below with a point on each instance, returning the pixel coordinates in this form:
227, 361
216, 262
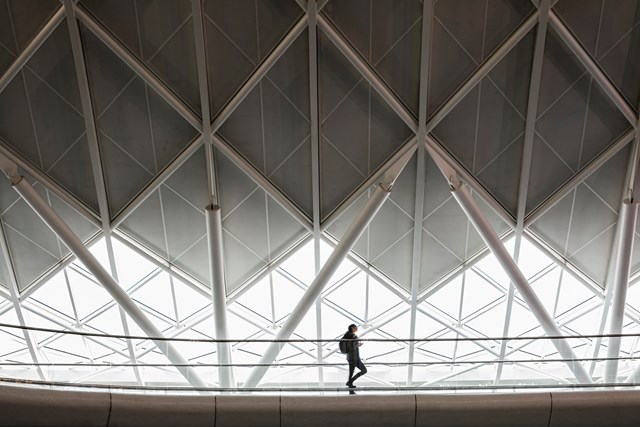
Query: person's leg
352, 367
361, 367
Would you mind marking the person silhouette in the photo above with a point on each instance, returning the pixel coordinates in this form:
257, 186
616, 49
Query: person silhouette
353, 356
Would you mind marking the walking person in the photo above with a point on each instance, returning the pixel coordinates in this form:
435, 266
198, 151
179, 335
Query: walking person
353, 355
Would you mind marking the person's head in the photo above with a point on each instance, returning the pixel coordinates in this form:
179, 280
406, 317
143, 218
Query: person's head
353, 328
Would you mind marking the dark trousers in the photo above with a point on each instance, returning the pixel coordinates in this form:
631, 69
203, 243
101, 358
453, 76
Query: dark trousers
353, 364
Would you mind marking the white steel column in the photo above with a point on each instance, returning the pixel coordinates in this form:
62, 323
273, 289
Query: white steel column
527, 154
94, 153
62, 230
312, 14
212, 211
219, 293
355, 230
418, 213
620, 284
484, 229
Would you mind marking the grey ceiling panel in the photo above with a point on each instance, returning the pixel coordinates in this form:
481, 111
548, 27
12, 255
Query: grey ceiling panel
548, 172
27, 17
124, 176
283, 230
553, 226
238, 37
190, 180
502, 175
294, 177
24, 220
108, 76
184, 224
160, 34
57, 124
272, 230
611, 35
33, 247
359, 130
269, 129
485, 130
291, 74
337, 177
450, 67
590, 218
8, 50
449, 225
387, 35
594, 258
74, 168
461, 41
16, 125
396, 261
195, 261
251, 211
436, 261
29, 260
138, 132
457, 131
388, 226
608, 181
53, 63
145, 224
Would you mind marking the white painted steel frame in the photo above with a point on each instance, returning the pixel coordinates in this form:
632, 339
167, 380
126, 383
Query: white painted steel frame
527, 154
351, 235
627, 227
94, 153
607, 154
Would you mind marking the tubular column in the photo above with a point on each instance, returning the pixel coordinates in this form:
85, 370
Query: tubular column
219, 294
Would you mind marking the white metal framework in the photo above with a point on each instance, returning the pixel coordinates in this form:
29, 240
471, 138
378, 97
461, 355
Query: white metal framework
285, 118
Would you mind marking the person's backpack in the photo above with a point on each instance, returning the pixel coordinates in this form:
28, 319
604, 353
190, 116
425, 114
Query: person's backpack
343, 345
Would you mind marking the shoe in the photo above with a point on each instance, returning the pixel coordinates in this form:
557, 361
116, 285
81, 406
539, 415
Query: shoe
352, 392
350, 385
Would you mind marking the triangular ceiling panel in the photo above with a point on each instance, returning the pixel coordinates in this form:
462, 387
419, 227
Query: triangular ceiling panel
160, 34
457, 50
171, 221
20, 20
581, 226
239, 38
485, 131
359, 130
611, 36
388, 39
576, 122
271, 127
138, 133
33, 248
47, 128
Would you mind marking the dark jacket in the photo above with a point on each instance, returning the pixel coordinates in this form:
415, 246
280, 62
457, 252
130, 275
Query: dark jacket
353, 351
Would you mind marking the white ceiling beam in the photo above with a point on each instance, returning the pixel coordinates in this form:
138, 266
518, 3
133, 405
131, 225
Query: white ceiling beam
418, 213
31, 48
94, 152
155, 83
527, 154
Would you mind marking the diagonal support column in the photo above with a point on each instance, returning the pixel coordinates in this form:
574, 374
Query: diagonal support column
484, 229
219, 293
64, 233
527, 154
355, 230
627, 220
94, 153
